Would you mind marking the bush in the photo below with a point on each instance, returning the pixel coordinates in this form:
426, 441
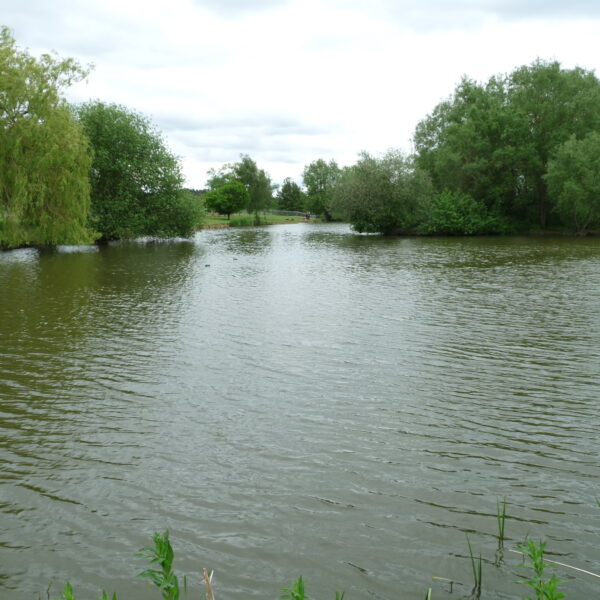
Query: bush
456, 213
383, 194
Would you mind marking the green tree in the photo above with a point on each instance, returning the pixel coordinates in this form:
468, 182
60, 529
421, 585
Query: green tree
383, 195
217, 178
136, 182
44, 155
257, 182
552, 104
493, 141
290, 196
466, 145
228, 198
320, 179
574, 182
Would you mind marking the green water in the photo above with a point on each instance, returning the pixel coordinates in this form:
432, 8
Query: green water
298, 400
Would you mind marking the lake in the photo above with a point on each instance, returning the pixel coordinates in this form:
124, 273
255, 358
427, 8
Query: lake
299, 400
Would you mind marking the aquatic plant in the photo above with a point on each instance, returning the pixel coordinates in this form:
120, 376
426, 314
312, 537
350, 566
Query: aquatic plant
545, 588
476, 565
162, 555
296, 591
501, 520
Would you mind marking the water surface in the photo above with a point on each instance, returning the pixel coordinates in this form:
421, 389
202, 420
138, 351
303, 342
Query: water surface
298, 400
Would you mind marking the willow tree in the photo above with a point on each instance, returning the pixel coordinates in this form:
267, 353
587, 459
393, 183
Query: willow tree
44, 154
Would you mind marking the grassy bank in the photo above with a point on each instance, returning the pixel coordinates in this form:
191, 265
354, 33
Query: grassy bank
212, 221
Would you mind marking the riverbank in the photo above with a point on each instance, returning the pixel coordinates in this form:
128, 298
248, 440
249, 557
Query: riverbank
246, 220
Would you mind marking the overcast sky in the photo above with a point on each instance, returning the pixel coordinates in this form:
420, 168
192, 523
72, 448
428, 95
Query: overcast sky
290, 81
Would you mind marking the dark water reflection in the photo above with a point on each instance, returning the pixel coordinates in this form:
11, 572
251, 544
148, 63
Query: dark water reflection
298, 400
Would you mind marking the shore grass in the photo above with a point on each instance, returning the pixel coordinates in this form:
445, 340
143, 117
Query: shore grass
245, 219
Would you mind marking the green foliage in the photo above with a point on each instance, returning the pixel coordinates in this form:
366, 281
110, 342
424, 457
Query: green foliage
228, 198
290, 196
383, 195
186, 216
241, 222
493, 141
457, 213
68, 594
545, 588
320, 179
257, 182
217, 178
476, 565
296, 591
44, 155
136, 181
574, 182
161, 554
501, 516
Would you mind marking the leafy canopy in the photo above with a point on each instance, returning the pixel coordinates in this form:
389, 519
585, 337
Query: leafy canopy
136, 181
320, 178
228, 198
256, 181
574, 182
290, 196
493, 141
384, 194
44, 155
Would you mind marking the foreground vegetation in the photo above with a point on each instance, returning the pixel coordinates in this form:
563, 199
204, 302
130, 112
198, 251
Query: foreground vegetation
162, 575
538, 576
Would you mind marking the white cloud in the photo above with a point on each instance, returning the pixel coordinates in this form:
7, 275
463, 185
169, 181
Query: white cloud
289, 81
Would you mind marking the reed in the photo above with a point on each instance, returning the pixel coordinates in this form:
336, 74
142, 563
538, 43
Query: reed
477, 572
501, 515
208, 584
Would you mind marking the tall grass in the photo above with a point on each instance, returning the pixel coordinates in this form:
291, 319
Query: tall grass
476, 565
501, 520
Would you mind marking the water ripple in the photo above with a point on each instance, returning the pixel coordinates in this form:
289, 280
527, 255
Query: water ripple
315, 402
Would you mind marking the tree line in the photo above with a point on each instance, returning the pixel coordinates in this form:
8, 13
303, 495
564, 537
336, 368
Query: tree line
518, 153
